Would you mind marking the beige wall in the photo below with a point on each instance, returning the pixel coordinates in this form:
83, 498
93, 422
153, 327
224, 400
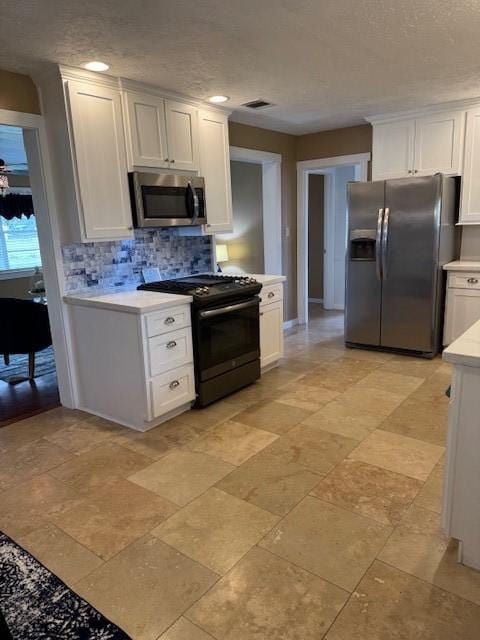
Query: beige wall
337, 142
315, 236
15, 288
18, 93
245, 244
242, 135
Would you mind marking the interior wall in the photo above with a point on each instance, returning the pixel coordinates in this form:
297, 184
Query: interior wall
18, 93
242, 135
337, 142
470, 247
245, 244
315, 235
342, 176
16, 288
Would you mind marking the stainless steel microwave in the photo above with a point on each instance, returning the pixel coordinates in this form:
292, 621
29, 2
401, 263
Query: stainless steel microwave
166, 200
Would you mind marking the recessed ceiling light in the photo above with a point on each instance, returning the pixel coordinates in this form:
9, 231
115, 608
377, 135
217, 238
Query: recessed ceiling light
96, 66
217, 99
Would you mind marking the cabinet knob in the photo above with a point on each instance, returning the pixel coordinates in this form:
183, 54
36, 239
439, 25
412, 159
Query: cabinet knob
166, 160
171, 344
169, 320
472, 280
174, 384
130, 228
409, 171
271, 294
415, 171
172, 161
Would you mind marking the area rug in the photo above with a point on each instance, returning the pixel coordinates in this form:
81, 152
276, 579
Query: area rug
44, 364
39, 606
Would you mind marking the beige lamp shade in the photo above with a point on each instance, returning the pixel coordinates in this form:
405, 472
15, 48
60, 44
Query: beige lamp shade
221, 253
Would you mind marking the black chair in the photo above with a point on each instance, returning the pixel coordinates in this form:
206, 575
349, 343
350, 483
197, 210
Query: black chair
24, 329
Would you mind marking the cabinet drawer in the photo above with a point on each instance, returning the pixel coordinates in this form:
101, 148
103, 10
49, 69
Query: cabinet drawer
464, 280
170, 390
167, 320
271, 293
169, 350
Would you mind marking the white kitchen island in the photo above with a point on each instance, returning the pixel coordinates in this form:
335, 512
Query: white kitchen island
461, 503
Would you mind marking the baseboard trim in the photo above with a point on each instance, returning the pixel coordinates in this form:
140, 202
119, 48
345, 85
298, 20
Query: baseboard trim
288, 324
316, 300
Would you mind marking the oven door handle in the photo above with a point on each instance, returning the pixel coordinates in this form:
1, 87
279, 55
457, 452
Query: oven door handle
193, 197
210, 313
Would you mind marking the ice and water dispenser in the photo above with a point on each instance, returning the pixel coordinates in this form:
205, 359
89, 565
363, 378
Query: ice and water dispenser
362, 245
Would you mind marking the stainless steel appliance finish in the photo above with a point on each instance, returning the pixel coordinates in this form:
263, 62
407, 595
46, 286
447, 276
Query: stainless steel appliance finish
400, 234
167, 200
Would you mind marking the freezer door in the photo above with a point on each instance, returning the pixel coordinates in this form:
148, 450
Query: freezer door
363, 273
410, 240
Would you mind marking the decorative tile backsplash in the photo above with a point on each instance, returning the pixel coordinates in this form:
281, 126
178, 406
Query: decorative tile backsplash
109, 265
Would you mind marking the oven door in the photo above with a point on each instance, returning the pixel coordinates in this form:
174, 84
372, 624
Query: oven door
160, 200
227, 337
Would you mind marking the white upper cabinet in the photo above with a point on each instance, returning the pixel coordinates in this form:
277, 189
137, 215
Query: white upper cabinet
418, 146
439, 143
215, 168
393, 149
146, 130
182, 135
99, 159
470, 197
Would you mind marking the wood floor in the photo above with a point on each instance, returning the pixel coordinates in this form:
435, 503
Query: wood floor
27, 398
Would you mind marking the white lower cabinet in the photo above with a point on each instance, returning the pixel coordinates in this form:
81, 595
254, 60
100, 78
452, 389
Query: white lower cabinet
463, 304
271, 325
135, 368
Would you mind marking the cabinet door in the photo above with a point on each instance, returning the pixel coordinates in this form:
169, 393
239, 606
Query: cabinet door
470, 198
215, 168
100, 159
182, 135
271, 333
148, 136
462, 310
439, 143
392, 151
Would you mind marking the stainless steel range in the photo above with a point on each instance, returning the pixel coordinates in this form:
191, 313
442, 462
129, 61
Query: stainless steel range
226, 331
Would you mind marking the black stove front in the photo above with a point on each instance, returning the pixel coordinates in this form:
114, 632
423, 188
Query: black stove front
226, 331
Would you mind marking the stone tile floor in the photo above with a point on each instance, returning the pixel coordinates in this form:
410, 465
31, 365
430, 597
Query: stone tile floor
306, 506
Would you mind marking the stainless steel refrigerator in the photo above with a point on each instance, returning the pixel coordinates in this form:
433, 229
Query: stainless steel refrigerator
400, 234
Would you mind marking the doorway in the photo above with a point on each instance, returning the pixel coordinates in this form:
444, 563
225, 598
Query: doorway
255, 245
322, 233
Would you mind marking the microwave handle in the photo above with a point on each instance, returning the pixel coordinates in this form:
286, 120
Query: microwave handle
194, 196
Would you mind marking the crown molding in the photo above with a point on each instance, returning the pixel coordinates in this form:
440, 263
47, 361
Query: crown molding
434, 108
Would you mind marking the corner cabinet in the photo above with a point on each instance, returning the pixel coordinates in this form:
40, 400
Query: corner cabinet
418, 146
215, 168
98, 149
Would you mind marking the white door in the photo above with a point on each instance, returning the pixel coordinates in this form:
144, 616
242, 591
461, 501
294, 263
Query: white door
439, 143
463, 310
148, 135
470, 197
215, 168
393, 149
182, 135
271, 333
100, 159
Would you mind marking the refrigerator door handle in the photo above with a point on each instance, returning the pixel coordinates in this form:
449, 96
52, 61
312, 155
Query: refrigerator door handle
378, 241
385, 242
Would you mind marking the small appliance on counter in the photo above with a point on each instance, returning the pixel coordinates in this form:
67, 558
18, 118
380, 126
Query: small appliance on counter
226, 331
166, 200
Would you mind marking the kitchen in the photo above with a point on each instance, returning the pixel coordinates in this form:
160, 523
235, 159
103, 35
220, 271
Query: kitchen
304, 447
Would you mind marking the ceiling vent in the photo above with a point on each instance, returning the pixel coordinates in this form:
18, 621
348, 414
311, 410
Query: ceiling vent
257, 104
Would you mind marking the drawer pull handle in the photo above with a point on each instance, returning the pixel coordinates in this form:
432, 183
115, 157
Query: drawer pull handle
271, 294
169, 320
171, 344
472, 280
173, 385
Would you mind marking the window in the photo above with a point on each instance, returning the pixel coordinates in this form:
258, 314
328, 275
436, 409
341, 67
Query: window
19, 244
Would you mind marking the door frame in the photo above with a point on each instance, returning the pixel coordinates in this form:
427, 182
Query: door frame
41, 182
325, 166
271, 202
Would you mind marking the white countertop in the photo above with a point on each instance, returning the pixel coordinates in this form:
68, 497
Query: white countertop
129, 301
133, 301
465, 349
462, 265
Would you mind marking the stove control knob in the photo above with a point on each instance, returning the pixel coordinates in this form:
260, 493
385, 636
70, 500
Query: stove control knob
199, 291
206, 290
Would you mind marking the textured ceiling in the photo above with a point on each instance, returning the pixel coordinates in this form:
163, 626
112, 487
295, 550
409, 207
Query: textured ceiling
324, 63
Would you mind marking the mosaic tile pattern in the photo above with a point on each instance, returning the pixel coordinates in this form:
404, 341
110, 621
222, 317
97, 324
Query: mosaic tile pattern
114, 264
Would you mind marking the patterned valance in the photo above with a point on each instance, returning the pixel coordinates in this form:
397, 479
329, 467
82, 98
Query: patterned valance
14, 205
